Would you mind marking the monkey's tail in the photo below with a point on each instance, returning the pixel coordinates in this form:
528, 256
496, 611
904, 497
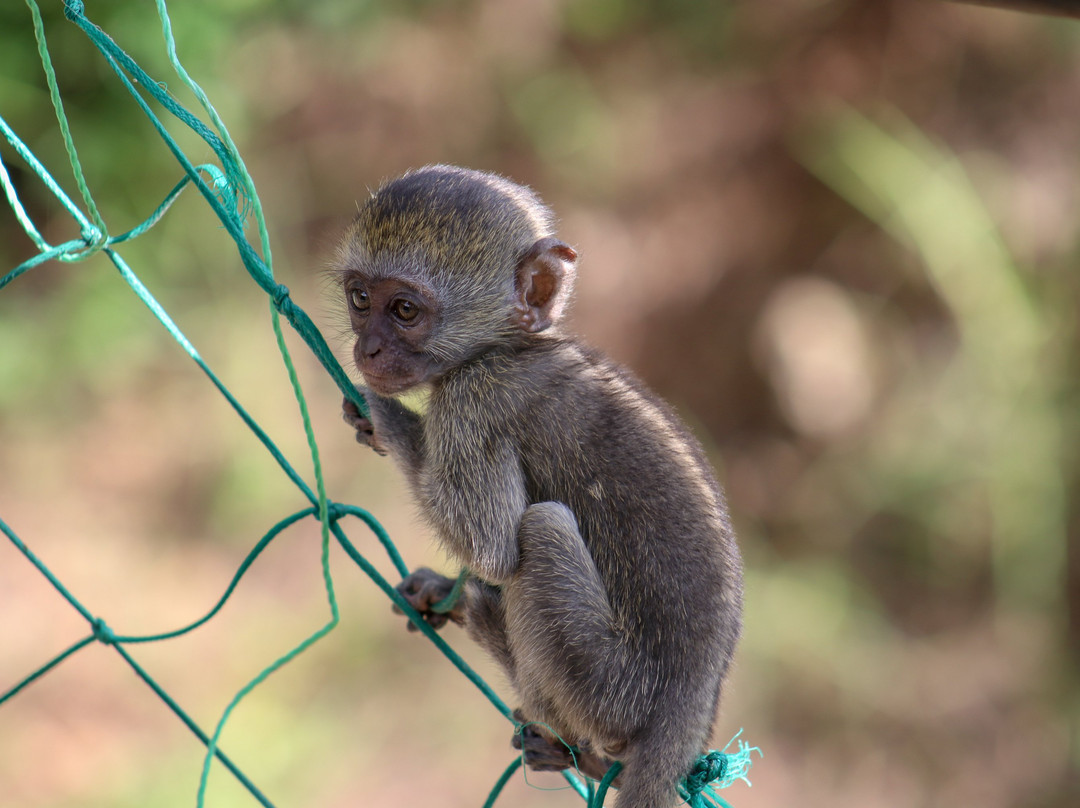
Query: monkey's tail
654, 764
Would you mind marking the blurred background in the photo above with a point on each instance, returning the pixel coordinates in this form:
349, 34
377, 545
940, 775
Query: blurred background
839, 236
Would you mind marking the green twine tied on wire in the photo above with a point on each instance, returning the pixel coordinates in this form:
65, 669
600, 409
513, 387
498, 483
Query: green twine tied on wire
102, 633
708, 768
73, 9
717, 770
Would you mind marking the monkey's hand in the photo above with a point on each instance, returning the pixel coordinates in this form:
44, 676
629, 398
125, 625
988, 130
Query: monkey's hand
365, 430
423, 589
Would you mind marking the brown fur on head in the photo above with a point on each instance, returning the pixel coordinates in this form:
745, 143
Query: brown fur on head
477, 248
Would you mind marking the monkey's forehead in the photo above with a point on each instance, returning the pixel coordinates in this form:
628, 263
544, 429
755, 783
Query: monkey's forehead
436, 243
426, 240
435, 269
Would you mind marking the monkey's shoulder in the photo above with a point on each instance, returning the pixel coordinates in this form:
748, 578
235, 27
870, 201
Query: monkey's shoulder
552, 377
590, 385
563, 397
547, 371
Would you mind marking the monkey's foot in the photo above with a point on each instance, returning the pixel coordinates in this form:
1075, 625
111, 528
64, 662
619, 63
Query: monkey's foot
542, 754
423, 589
546, 754
365, 430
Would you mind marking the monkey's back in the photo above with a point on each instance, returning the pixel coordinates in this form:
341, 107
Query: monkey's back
647, 504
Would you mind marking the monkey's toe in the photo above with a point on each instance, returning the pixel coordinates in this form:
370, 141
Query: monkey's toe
542, 754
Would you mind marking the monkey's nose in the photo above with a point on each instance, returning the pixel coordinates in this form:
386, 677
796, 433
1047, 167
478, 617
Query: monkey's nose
372, 345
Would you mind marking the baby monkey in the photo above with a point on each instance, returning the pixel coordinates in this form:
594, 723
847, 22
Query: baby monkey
605, 578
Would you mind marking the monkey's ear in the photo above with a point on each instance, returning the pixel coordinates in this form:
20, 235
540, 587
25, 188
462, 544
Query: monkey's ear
542, 284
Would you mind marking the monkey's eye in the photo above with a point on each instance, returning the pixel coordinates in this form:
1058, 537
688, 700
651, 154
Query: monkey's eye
405, 310
360, 300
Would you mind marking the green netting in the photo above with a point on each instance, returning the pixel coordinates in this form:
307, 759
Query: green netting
229, 190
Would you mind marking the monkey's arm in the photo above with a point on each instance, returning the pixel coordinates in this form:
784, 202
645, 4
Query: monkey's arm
473, 489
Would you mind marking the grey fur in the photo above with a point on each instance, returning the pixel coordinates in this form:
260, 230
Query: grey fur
609, 582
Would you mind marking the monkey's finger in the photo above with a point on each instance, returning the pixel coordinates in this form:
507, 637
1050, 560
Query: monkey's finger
398, 610
436, 621
357, 422
409, 587
349, 409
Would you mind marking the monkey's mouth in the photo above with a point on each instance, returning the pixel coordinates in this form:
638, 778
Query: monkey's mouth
389, 385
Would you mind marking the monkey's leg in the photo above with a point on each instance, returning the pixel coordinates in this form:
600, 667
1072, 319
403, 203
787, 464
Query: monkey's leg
423, 589
574, 672
485, 620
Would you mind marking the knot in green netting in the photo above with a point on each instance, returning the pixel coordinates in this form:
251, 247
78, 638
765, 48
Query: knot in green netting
280, 295
73, 9
717, 770
709, 767
102, 632
93, 237
336, 512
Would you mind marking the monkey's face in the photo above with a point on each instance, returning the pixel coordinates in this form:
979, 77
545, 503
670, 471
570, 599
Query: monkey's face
393, 321
443, 265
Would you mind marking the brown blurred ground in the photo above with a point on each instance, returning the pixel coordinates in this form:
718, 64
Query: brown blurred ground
891, 401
